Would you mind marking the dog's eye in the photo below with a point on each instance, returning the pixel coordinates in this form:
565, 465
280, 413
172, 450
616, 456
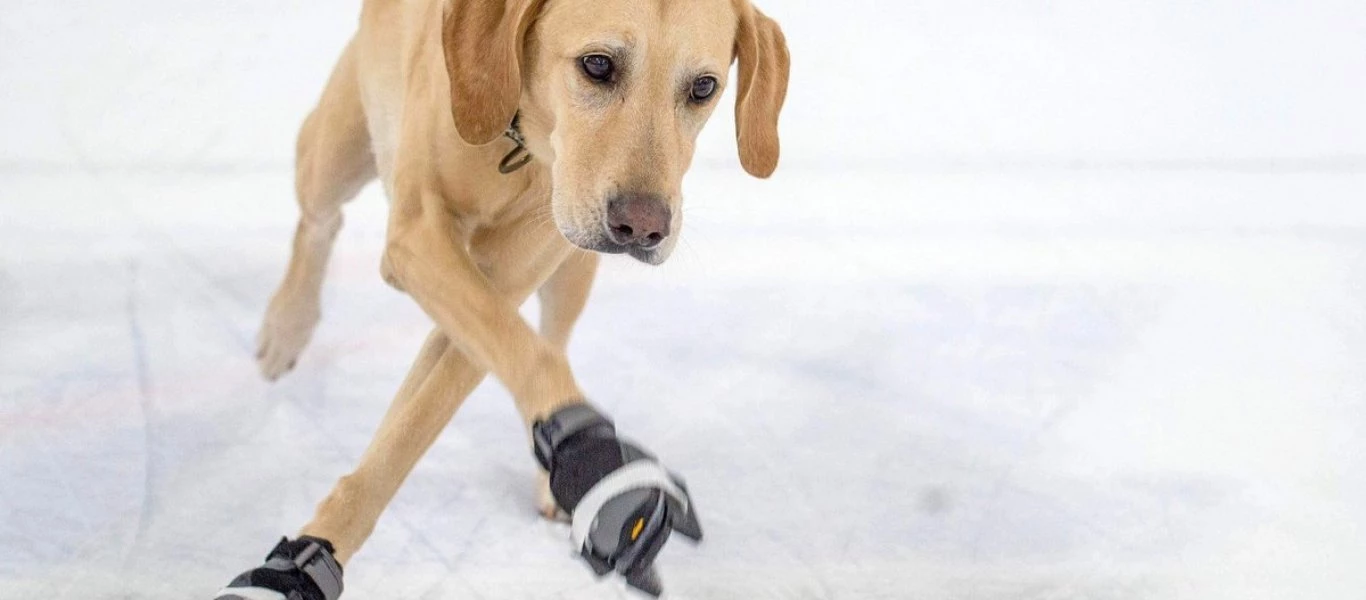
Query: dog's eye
597, 66
703, 88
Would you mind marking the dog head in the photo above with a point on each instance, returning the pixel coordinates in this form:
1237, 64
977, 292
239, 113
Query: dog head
612, 95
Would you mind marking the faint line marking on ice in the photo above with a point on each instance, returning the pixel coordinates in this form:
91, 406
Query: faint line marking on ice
814, 574
1055, 415
344, 456
236, 300
92, 169
144, 378
812, 516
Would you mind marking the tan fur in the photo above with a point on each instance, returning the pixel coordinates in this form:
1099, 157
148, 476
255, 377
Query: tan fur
764, 65
420, 98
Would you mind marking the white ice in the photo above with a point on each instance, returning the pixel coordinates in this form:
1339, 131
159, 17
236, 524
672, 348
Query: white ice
1053, 300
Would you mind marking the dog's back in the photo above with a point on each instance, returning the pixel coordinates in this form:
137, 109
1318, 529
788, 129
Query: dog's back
393, 49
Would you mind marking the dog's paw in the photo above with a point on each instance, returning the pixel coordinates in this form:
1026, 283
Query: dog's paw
545, 501
286, 330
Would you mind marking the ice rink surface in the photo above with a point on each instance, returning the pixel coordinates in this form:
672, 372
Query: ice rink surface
951, 385
1036, 328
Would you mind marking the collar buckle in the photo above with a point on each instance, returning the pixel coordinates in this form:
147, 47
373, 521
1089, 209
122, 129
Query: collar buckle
519, 156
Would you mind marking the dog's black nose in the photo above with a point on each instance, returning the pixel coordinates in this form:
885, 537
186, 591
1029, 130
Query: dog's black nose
638, 220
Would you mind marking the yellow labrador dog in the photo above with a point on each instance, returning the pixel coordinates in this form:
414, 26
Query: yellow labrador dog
444, 100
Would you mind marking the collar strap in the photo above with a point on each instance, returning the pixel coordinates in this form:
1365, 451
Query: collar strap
519, 156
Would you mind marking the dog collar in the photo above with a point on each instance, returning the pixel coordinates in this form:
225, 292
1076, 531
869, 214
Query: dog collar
519, 156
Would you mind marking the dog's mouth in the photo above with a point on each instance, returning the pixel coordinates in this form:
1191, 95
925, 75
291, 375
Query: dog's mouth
651, 255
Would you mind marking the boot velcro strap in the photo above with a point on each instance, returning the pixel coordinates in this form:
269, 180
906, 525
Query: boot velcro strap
316, 563
564, 424
641, 474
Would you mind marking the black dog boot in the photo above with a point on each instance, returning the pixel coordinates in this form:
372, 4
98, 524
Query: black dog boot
301, 569
623, 503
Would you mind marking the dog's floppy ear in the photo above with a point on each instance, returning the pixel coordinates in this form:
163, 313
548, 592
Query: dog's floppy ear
761, 51
482, 40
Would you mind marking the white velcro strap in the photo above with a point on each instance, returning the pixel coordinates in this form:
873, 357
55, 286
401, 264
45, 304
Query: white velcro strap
249, 593
641, 474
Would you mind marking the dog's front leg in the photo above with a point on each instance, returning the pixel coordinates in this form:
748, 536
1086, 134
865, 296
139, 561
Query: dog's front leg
436, 386
429, 261
432, 263
623, 503
513, 264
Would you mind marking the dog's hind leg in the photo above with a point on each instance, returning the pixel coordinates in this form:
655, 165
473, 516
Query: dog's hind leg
333, 161
564, 295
